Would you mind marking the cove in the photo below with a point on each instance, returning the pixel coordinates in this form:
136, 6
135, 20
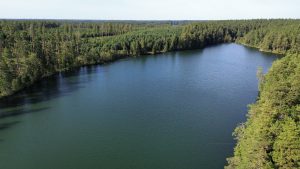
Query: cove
169, 111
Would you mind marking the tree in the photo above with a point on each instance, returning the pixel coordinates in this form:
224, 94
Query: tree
287, 146
261, 78
5, 74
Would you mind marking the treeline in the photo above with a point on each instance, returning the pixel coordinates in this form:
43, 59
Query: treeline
30, 50
277, 37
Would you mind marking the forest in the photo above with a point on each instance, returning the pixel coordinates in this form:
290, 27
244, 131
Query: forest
270, 138
31, 50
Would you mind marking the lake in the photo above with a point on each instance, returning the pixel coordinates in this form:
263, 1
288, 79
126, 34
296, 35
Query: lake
170, 111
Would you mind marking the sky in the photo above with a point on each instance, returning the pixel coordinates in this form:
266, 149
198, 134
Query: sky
149, 9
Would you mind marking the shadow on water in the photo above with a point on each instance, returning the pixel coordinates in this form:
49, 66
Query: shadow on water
7, 125
18, 111
49, 88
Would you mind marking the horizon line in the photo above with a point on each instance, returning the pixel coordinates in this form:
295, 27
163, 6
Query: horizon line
81, 19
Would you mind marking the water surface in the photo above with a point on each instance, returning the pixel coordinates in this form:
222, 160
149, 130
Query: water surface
170, 111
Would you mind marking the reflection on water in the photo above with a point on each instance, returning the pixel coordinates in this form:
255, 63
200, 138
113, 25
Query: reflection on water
47, 89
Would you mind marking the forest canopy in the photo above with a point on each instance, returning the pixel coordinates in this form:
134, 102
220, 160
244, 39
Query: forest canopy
31, 50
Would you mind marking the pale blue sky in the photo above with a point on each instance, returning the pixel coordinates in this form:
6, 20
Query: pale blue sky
150, 9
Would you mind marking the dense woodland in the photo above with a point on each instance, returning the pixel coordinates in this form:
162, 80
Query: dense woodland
31, 50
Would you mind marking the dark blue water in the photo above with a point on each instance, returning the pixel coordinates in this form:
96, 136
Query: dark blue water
170, 111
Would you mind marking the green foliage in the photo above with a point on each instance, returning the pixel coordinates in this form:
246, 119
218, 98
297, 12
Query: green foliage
277, 37
5, 73
270, 137
31, 50
261, 78
63, 45
286, 152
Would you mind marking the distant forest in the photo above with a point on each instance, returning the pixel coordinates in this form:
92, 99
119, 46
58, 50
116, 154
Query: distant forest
31, 50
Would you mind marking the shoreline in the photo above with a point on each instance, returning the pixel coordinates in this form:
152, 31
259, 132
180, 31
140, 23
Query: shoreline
125, 57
